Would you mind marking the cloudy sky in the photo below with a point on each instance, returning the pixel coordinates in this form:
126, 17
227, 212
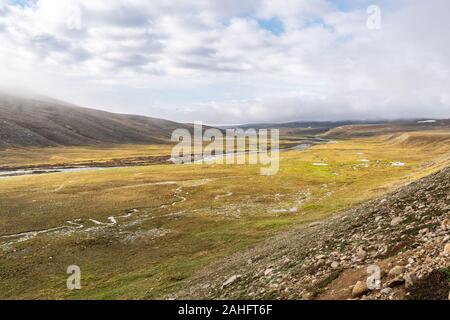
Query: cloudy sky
232, 61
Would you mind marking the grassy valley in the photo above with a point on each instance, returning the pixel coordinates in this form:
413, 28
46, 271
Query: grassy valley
143, 231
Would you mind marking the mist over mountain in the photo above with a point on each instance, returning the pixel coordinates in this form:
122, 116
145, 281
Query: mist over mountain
31, 120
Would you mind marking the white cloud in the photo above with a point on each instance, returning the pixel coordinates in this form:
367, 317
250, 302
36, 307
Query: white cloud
220, 62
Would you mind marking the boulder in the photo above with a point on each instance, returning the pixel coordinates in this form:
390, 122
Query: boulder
395, 282
410, 278
359, 289
361, 254
335, 264
445, 225
447, 249
396, 271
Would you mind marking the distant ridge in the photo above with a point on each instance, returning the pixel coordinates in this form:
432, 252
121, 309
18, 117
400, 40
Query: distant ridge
368, 130
304, 124
34, 121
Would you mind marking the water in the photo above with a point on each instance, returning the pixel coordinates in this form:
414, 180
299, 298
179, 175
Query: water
27, 172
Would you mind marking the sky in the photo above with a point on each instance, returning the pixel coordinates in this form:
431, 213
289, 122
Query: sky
232, 61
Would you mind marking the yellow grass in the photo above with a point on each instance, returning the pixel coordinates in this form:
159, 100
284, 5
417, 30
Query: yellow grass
227, 208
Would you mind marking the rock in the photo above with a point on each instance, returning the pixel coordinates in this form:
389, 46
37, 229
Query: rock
268, 271
335, 264
396, 221
359, 289
396, 271
231, 280
447, 249
445, 225
410, 279
286, 260
307, 296
386, 291
379, 218
395, 282
423, 231
361, 254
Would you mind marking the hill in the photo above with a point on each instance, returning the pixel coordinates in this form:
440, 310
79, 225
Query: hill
369, 130
351, 128
406, 234
40, 121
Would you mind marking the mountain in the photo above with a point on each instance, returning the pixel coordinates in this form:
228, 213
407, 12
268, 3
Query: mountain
351, 128
304, 124
40, 121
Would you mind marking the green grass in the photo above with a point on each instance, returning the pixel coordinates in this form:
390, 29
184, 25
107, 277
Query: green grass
228, 208
18, 157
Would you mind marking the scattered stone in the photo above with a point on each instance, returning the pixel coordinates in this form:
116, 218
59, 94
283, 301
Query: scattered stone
386, 291
395, 282
231, 280
268, 271
361, 254
396, 271
445, 225
359, 289
405, 253
335, 264
447, 249
410, 279
396, 221
307, 296
286, 260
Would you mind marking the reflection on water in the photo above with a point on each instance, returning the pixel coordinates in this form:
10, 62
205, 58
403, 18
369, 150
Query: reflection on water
306, 144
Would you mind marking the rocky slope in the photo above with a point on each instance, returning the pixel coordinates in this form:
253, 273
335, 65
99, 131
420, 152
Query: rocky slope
405, 236
40, 121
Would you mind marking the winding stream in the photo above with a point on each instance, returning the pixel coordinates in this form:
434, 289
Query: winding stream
306, 144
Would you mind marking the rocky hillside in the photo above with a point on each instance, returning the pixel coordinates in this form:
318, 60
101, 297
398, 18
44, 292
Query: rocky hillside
39, 121
404, 235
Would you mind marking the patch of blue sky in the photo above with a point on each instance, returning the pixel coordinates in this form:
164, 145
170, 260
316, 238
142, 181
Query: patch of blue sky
346, 5
273, 25
352, 5
22, 3
317, 22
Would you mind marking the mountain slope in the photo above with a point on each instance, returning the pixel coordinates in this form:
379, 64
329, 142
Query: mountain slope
394, 127
405, 233
37, 121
